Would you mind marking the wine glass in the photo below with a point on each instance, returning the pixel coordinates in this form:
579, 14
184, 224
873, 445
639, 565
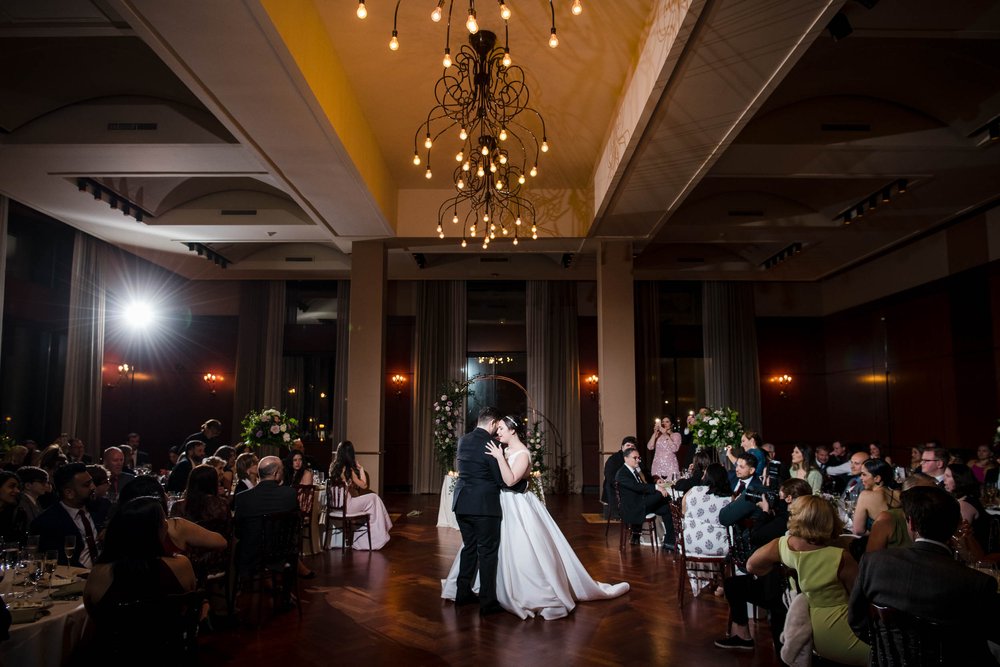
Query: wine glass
49, 562
32, 543
69, 548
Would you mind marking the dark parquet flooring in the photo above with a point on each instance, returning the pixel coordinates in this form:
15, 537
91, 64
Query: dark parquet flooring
384, 608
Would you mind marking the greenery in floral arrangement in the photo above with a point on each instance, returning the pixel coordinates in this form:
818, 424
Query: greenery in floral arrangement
6, 442
535, 442
717, 428
269, 427
448, 411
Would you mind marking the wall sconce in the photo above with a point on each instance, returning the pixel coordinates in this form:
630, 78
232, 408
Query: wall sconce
211, 379
291, 391
783, 381
398, 381
321, 432
125, 371
591, 382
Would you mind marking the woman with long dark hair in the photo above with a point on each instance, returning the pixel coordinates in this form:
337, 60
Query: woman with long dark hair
181, 534
346, 469
201, 500
879, 494
297, 470
804, 467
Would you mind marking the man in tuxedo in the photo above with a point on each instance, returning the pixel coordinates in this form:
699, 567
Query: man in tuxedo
477, 508
194, 453
114, 461
268, 497
75, 452
746, 480
934, 461
611, 468
639, 498
69, 517
926, 581
139, 457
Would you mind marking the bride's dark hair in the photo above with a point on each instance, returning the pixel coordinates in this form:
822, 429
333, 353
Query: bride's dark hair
513, 424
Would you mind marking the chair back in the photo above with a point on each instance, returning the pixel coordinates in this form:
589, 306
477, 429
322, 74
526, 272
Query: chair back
279, 545
306, 494
336, 494
164, 626
897, 639
207, 562
677, 519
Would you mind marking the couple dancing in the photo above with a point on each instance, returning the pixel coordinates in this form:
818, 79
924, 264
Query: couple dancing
525, 564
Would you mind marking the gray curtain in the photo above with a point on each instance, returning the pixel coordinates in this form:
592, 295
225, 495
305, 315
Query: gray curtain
338, 429
554, 377
729, 335
647, 357
4, 208
259, 348
440, 357
81, 413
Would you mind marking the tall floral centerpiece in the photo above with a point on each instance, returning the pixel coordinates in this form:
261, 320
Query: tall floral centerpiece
269, 431
448, 410
534, 440
717, 429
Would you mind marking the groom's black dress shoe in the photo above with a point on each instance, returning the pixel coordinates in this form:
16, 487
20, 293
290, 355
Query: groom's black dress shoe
490, 610
466, 599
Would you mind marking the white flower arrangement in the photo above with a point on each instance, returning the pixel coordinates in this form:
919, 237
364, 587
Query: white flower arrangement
447, 419
717, 428
269, 427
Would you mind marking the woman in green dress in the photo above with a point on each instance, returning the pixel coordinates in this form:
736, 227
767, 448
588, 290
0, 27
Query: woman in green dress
825, 576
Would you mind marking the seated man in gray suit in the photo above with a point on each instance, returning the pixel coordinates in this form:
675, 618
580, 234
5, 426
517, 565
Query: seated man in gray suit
925, 580
640, 498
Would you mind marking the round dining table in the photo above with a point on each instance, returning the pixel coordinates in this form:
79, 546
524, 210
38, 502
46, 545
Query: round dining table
48, 641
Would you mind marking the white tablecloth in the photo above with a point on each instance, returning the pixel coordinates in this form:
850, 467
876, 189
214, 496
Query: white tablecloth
48, 641
446, 518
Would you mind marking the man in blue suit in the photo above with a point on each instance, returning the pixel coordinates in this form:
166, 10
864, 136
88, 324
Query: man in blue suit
477, 507
69, 517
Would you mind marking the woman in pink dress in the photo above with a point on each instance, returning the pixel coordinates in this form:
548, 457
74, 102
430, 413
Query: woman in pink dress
360, 497
666, 443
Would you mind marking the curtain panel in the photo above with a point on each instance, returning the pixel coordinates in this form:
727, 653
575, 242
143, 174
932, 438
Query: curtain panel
729, 335
259, 348
338, 429
554, 377
440, 357
81, 410
647, 352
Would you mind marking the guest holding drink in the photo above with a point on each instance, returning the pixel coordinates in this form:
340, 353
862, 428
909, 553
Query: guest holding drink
665, 442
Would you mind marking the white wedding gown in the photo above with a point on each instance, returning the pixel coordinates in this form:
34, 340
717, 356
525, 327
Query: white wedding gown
537, 571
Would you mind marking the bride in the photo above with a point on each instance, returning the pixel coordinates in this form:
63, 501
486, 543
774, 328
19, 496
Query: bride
538, 571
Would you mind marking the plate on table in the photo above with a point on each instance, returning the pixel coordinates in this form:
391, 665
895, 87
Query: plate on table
59, 580
28, 614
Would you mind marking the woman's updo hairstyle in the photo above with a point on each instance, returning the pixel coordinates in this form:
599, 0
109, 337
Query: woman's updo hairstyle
513, 424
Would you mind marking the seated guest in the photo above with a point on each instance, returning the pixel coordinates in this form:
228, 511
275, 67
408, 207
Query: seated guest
220, 467
875, 452
52, 457
297, 471
15, 458
360, 498
889, 529
34, 484
173, 456
100, 506
803, 467
13, 521
267, 497
699, 463
704, 536
926, 581
825, 574
139, 458
638, 497
227, 454
934, 461
75, 452
611, 468
879, 494
742, 507
135, 568
246, 472
852, 484
201, 502
127, 466
74, 488
194, 452
114, 461
182, 534
961, 483
766, 591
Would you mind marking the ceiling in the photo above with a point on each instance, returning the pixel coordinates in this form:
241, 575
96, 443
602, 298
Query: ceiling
723, 138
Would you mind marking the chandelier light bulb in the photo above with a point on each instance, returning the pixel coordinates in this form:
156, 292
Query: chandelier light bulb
436, 14
499, 185
545, 146
503, 134
463, 135
504, 12
534, 171
465, 166
472, 230
460, 184
534, 229
520, 179
503, 230
493, 168
515, 240
427, 142
577, 8
471, 22
446, 61
428, 174
493, 235
503, 159
464, 243
486, 217
459, 157
518, 221
416, 159
485, 150
454, 220
506, 58
480, 172
362, 10
439, 229
394, 42
553, 40
534, 236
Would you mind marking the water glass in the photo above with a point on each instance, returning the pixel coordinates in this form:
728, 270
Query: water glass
49, 562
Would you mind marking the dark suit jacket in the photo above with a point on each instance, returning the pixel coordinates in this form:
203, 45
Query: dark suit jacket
925, 580
611, 467
53, 526
742, 507
991, 477
268, 497
123, 481
477, 491
179, 475
634, 494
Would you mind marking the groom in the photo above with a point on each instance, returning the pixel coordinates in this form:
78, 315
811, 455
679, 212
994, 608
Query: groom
477, 508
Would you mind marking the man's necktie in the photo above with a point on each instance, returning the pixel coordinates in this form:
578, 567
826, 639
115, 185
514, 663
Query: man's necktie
89, 536
740, 489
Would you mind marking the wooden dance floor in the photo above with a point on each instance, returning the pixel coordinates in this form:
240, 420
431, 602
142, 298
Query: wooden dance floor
384, 608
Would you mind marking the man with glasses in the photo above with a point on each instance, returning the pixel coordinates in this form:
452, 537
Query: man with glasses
933, 462
640, 498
